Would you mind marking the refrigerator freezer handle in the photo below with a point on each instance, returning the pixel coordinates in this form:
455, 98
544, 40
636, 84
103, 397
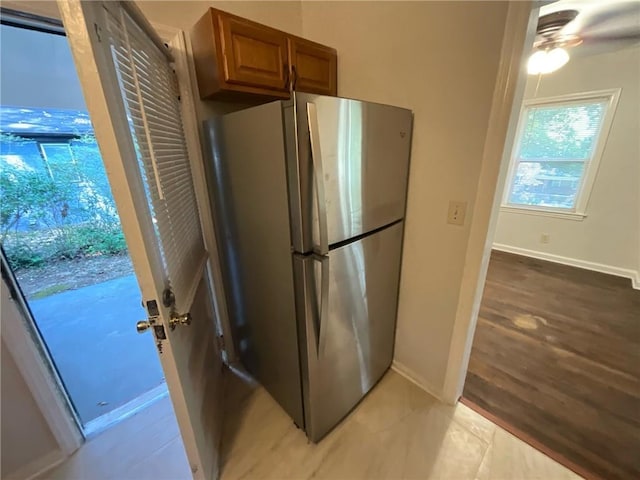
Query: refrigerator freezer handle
316, 159
322, 310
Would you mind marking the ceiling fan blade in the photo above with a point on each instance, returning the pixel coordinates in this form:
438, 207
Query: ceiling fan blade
604, 45
610, 19
628, 38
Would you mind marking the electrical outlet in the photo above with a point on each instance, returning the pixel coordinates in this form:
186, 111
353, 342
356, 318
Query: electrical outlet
544, 238
457, 212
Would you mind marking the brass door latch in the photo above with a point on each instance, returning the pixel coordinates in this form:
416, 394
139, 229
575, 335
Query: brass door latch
153, 321
174, 321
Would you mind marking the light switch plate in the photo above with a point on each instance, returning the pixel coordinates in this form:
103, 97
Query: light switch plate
457, 212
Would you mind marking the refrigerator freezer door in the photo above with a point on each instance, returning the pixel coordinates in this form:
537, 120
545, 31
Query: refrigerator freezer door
362, 150
346, 304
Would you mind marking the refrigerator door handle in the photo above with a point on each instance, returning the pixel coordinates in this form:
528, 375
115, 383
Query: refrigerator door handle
322, 309
316, 159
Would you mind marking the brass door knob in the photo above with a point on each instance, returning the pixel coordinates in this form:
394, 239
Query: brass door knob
143, 326
175, 320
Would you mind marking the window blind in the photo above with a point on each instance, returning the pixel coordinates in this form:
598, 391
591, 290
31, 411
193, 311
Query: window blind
151, 98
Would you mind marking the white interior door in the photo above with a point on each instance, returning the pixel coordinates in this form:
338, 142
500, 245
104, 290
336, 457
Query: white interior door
132, 95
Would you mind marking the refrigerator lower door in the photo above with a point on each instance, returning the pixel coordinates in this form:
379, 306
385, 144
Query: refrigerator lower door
347, 302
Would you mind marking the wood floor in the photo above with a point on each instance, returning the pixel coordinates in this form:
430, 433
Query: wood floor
556, 355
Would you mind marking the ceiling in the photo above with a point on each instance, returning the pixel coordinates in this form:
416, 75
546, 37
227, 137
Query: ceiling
603, 25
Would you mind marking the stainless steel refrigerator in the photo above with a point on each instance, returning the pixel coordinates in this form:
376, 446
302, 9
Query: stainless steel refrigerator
309, 199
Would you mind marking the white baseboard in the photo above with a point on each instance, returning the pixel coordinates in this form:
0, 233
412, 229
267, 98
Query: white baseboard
37, 467
633, 275
414, 378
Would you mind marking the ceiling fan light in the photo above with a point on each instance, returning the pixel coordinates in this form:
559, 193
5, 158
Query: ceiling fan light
536, 63
547, 61
556, 58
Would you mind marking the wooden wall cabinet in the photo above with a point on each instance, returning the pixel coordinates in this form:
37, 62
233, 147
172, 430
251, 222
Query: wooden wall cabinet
314, 67
234, 57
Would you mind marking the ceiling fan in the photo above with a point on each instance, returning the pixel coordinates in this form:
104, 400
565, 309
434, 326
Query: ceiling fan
595, 25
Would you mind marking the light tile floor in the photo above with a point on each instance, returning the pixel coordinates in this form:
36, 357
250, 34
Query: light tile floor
398, 431
144, 446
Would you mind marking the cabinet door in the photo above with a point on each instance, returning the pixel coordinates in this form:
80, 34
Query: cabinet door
314, 67
253, 54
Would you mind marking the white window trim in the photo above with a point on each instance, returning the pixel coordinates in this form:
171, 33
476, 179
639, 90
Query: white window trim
579, 211
43, 152
543, 212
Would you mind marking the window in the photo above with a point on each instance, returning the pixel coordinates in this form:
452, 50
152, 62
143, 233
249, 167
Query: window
558, 145
59, 160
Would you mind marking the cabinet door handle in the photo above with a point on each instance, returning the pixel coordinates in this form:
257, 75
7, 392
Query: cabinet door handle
287, 85
294, 79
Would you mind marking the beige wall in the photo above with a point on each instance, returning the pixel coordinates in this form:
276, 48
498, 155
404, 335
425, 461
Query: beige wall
610, 234
26, 437
439, 59
284, 15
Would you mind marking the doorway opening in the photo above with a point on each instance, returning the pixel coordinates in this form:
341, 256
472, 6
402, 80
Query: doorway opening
61, 233
556, 353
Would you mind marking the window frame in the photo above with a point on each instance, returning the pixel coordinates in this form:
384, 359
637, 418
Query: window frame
578, 212
47, 164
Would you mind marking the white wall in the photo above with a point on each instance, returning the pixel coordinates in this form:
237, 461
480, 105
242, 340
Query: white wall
608, 238
26, 437
439, 59
36, 70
